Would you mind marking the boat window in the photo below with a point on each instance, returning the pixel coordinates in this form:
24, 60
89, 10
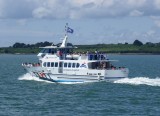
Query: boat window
95, 56
52, 64
65, 64
90, 57
102, 57
108, 65
60, 64
94, 65
73, 65
45, 51
53, 51
49, 51
42, 51
98, 65
77, 65
44, 64
69, 65
67, 50
56, 64
48, 64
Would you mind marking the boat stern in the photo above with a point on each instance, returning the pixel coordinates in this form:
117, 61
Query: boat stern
115, 74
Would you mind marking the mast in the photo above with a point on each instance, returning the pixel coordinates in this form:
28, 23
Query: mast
64, 42
66, 28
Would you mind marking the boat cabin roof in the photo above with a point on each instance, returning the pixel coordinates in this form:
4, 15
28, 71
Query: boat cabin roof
103, 60
56, 47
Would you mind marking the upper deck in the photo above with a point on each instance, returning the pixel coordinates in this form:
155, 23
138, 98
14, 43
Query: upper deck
74, 56
64, 51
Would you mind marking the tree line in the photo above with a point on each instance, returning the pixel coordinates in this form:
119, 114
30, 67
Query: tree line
39, 44
43, 44
136, 47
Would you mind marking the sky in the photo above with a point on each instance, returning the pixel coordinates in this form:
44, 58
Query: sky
93, 21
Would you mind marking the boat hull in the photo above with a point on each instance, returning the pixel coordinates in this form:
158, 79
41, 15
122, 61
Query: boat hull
106, 75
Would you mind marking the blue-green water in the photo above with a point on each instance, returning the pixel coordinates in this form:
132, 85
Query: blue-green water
22, 95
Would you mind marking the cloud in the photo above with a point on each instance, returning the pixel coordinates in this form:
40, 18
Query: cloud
150, 32
157, 4
16, 9
136, 13
22, 21
136, 3
41, 12
156, 20
73, 9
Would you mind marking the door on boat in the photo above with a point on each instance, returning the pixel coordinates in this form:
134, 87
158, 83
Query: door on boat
60, 70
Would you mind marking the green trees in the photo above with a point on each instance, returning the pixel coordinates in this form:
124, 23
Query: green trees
22, 45
136, 47
137, 43
19, 45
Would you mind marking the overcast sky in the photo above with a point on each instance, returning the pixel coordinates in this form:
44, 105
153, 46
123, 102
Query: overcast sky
93, 21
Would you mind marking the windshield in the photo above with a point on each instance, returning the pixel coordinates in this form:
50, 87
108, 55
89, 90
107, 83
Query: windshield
47, 50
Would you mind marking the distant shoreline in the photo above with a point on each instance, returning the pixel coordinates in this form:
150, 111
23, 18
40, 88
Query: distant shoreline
121, 49
135, 53
106, 53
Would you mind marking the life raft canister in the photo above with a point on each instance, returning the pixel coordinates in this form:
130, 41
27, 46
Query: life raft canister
42, 75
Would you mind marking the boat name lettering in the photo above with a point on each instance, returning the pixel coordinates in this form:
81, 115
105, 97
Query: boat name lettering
92, 74
71, 70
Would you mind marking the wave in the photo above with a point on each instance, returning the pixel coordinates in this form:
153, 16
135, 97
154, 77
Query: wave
140, 81
29, 77
131, 81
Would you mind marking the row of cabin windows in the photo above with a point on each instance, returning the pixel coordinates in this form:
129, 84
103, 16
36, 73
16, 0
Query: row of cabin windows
65, 64
96, 57
69, 65
50, 64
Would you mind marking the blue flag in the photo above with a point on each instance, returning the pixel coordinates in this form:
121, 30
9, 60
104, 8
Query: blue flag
69, 30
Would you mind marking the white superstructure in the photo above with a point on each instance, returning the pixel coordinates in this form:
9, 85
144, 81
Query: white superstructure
60, 64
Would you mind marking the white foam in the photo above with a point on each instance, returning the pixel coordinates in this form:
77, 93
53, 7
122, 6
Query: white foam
29, 77
132, 81
140, 80
71, 83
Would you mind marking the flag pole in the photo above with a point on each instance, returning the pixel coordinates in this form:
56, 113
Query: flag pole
66, 27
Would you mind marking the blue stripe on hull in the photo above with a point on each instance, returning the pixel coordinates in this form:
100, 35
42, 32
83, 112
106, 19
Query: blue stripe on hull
59, 80
114, 77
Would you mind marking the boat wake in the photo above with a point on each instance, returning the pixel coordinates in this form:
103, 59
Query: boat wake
29, 77
140, 81
131, 81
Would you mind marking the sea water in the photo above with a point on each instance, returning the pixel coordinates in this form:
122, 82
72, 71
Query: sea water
24, 95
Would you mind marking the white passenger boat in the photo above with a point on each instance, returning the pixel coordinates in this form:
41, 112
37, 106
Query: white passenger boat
60, 64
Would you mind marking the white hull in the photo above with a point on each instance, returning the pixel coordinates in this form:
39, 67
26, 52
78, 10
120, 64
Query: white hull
91, 75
